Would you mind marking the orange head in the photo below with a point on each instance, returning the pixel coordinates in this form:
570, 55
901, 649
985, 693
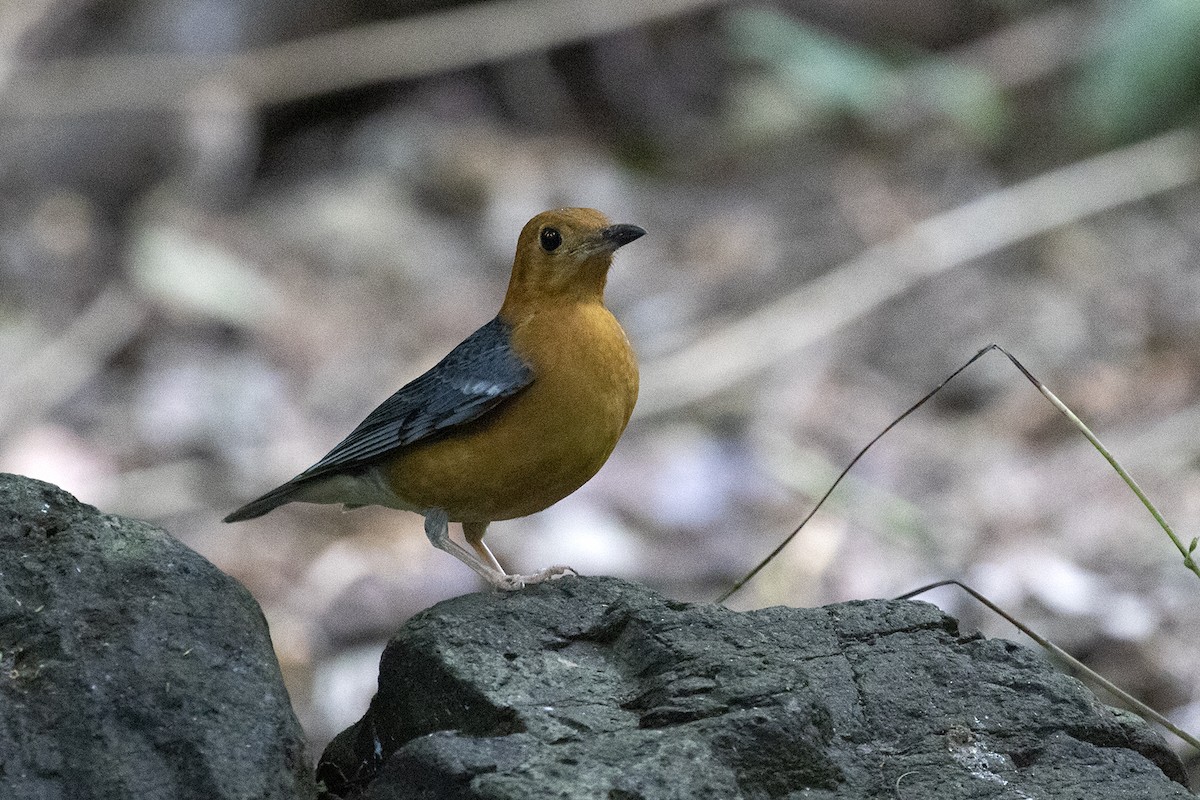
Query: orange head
564, 256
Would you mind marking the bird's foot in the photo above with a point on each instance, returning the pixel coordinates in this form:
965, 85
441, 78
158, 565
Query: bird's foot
511, 583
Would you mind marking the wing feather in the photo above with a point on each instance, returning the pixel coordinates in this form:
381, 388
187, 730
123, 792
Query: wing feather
475, 377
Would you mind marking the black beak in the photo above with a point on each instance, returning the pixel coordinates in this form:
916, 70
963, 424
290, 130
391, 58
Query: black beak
617, 235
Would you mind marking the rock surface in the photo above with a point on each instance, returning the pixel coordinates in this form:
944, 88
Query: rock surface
130, 667
595, 688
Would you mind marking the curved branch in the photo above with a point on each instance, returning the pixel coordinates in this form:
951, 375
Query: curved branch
413, 47
723, 357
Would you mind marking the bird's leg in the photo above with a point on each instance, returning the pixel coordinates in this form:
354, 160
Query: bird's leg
473, 532
437, 528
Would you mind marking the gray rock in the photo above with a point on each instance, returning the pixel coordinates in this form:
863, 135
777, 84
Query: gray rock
130, 667
596, 688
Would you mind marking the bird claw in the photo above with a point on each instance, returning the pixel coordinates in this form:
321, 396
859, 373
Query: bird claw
550, 574
511, 583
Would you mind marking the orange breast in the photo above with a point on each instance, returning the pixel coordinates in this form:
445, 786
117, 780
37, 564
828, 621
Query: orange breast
545, 442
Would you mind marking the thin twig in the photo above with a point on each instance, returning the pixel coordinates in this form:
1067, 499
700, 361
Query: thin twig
779, 548
412, 47
734, 353
1188, 551
1142, 709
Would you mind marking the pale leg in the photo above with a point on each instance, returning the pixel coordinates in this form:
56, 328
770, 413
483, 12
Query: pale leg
473, 532
437, 528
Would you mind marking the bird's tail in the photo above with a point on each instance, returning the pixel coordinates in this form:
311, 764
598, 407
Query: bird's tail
273, 499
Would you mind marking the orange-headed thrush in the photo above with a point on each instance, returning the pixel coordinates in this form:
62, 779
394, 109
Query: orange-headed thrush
515, 418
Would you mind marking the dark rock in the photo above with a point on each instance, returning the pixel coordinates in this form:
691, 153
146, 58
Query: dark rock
596, 688
130, 667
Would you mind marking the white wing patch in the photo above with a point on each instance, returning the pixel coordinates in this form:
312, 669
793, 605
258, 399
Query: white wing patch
485, 388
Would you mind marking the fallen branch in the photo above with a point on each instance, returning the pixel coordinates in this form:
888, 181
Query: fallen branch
726, 356
412, 47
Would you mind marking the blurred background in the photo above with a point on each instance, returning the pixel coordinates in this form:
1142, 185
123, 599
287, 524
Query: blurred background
230, 228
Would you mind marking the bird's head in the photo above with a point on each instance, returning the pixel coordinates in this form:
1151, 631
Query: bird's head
564, 255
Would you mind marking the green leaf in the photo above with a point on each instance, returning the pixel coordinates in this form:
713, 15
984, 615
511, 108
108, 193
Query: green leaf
815, 75
806, 77
1144, 73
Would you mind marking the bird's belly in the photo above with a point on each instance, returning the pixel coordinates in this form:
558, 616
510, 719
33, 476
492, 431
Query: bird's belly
531, 452
508, 468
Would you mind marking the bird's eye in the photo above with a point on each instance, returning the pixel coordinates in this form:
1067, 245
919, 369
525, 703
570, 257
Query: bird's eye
551, 239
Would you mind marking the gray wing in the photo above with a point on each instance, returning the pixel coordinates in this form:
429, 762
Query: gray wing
471, 380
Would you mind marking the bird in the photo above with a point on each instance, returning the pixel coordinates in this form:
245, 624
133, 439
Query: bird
516, 417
